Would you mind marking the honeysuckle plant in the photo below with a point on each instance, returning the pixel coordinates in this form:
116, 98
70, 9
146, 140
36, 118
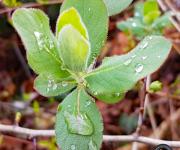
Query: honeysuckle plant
147, 20
63, 62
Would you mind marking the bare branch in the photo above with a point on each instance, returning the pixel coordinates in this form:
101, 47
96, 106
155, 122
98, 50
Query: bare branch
27, 5
120, 138
165, 8
26, 131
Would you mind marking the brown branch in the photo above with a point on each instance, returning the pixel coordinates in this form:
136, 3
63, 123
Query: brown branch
162, 94
27, 5
165, 8
121, 138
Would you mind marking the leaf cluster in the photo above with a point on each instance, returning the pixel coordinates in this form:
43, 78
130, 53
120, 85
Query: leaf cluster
63, 62
147, 20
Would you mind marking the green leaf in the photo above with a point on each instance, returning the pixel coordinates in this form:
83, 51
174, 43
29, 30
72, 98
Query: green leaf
71, 16
116, 6
34, 30
128, 122
151, 11
74, 49
162, 22
95, 17
118, 74
78, 127
139, 11
48, 86
134, 26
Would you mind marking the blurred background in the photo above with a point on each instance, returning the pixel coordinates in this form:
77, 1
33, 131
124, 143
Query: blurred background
21, 105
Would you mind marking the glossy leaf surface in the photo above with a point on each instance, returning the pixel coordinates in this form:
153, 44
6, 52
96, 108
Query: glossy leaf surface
118, 74
87, 120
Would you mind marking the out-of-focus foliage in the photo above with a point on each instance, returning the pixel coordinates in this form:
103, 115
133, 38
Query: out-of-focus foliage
48, 144
175, 87
128, 122
36, 107
146, 20
42, 1
11, 3
155, 86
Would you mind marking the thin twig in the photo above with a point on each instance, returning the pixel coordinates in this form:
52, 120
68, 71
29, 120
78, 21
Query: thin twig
27, 5
148, 106
165, 8
142, 95
121, 138
167, 95
169, 4
22, 61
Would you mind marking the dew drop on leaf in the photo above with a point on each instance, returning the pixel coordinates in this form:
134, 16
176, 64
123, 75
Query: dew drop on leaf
54, 86
49, 83
95, 93
134, 24
144, 57
92, 146
117, 94
78, 123
39, 39
133, 56
88, 103
144, 45
73, 147
51, 44
127, 62
64, 84
139, 68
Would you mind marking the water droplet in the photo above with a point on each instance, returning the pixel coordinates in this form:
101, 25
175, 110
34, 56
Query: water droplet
78, 123
54, 86
87, 103
133, 56
39, 39
43, 41
92, 146
137, 14
144, 45
139, 68
150, 37
95, 93
127, 62
51, 44
134, 24
37, 34
73, 147
144, 57
158, 56
117, 94
49, 83
64, 84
